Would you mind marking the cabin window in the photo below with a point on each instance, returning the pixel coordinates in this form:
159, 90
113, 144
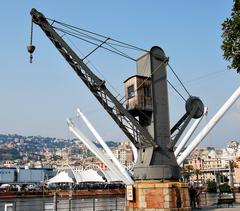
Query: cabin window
147, 91
130, 90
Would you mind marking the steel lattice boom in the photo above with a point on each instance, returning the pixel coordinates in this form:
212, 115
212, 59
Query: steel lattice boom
137, 134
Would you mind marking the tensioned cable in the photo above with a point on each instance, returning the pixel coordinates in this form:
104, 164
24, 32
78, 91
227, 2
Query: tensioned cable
179, 80
126, 45
79, 32
167, 81
105, 42
99, 40
120, 52
93, 66
116, 50
176, 90
205, 76
96, 34
123, 46
113, 51
151, 73
76, 29
86, 35
99, 46
96, 69
31, 47
31, 33
199, 78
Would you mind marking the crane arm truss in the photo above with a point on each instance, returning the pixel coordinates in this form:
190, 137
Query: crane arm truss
137, 134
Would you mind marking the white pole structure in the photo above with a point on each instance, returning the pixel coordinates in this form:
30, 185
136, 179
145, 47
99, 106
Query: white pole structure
189, 134
105, 146
91, 146
209, 126
135, 153
134, 149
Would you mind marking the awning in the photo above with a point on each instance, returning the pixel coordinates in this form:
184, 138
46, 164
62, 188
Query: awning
62, 177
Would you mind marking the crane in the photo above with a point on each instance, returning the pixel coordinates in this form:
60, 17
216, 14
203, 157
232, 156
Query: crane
150, 133
139, 136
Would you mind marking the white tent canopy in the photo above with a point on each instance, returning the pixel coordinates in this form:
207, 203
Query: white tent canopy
4, 186
89, 175
62, 177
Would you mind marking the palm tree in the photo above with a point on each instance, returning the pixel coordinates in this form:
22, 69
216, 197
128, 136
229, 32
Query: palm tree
186, 172
197, 172
232, 166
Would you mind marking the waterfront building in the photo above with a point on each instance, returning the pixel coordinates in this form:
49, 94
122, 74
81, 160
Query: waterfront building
124, 153
25, 175
237, 171
213, 164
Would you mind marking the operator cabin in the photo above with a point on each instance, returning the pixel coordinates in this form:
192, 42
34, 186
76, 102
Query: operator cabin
138, 91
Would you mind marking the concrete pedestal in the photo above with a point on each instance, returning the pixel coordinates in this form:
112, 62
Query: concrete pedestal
154, 195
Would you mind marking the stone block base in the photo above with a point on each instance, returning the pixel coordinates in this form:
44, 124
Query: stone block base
154, 195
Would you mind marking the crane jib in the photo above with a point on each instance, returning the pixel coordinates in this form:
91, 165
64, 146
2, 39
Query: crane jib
137, 134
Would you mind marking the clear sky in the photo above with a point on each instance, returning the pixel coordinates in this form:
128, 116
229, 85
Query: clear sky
37, 98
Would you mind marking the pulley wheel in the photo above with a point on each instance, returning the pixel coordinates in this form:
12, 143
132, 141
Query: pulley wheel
194, 106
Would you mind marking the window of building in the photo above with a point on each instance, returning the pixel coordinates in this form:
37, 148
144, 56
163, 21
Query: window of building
147, 91
130, 90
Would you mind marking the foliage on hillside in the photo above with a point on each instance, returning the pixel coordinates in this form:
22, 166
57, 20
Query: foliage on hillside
9, 154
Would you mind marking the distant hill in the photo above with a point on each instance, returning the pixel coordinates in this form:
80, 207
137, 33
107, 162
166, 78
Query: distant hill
14, 146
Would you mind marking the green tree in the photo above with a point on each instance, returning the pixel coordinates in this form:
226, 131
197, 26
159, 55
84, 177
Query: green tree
232, 166
231, 37
197, 172
224, 188
186, 172
211, 186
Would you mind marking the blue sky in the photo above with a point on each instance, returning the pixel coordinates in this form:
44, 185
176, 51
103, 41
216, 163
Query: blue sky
36, 98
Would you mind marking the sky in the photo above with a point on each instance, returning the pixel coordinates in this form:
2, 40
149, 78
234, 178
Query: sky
37, 98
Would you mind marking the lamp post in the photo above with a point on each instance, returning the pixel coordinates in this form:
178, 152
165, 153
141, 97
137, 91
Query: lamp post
203, 171
231, 168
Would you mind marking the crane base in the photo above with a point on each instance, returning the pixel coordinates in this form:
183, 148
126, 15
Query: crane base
149, 195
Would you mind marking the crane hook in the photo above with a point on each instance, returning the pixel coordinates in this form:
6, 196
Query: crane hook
31, 47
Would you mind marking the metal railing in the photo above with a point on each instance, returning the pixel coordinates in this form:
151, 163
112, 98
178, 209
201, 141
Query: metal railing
63, 204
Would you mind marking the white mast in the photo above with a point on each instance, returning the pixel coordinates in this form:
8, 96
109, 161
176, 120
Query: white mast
189, 133
91, 146
105, 146
209, 126
135, 153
